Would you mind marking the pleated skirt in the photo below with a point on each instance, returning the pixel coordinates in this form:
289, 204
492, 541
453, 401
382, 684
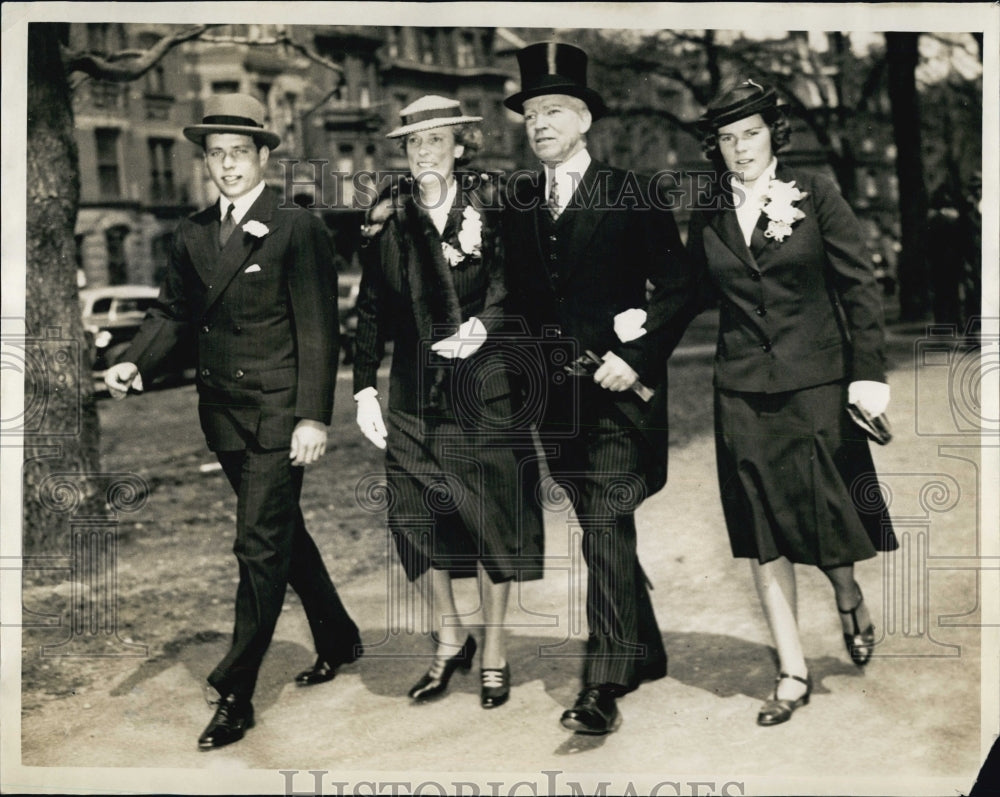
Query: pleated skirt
458, 499
797, 479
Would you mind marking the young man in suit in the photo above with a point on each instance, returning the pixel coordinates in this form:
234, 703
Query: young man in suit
258, 285
584, 240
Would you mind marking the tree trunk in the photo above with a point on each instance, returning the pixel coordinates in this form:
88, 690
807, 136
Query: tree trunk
914, 280
61, 427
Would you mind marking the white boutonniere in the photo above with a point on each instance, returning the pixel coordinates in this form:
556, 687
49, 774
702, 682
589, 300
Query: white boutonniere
777, 205
470, 238
629, 324
256, 229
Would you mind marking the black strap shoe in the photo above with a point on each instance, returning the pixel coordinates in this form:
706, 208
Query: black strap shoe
233, 718
775, 711
436, 679
595, 711
861, 643
495, 686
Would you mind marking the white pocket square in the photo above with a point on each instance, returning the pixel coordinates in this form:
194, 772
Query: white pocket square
251, 269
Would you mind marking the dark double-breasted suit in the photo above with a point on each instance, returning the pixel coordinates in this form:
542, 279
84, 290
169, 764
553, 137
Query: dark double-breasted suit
264, 311
568, 278
799, 319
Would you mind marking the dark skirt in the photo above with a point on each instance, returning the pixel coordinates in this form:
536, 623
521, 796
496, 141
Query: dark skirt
458, 499
797, 479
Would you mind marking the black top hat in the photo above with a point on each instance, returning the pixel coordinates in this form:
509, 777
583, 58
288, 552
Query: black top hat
554, 68
745, 99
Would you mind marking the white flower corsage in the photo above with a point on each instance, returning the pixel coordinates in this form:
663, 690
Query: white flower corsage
451, 254
629, 324
470, 238
777, 206
256, 229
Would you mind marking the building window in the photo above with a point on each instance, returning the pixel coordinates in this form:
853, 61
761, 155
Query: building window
161, 165
466, 50
108, 169
161, 257
104, 94
427, 45
117, 262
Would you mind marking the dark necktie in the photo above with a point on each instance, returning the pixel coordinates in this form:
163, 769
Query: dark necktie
226, 227
552, 203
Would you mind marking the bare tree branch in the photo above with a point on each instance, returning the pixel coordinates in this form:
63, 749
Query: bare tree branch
128, 65
281, 39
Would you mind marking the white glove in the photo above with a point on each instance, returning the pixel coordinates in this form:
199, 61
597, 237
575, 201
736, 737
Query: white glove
370, 416
872, 397
120, 377
464, 343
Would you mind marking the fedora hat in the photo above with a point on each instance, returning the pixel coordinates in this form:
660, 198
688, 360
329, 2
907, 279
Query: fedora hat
233, 113
428, 112
743, 100
554, 68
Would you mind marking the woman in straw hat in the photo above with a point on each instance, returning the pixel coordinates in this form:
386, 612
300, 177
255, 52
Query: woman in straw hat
460, 481
800, 344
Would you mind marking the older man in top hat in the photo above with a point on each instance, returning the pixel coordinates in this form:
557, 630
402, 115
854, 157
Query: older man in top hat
257, 283
586, 245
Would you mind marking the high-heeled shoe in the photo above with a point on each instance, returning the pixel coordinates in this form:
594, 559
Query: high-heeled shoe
775, 711
860, 644
495, 686
436, 679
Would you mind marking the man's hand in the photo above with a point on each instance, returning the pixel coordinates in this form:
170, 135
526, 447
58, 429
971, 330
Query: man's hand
615, 374
370, 417
120, 377
308, 442
464, 343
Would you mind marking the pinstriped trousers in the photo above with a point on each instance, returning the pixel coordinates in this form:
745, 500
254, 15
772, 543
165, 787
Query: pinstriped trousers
601, 468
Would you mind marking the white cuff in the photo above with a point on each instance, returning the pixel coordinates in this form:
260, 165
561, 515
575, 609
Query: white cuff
368, 392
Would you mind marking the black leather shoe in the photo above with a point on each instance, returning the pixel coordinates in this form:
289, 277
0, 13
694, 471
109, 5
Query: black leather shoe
495, 686
595, 711
775, 711
859, 644
326, 670
233, 718
436, 679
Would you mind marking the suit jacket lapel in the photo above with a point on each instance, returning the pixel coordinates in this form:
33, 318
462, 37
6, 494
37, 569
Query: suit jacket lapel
585, 218
727, 227
239, 247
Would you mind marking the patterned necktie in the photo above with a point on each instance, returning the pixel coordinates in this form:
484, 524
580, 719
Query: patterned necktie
552, 203
226, 227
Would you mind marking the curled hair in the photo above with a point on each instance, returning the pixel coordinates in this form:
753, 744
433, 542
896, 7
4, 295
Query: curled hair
781, 134
469, 135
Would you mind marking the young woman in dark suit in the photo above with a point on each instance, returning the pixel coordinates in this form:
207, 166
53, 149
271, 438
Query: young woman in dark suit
461, 483
800, 338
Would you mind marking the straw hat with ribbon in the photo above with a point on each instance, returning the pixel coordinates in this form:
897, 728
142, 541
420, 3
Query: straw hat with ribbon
233, 113
429, 112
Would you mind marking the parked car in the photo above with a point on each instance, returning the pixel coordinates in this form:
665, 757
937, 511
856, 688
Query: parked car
348, 286
112, 315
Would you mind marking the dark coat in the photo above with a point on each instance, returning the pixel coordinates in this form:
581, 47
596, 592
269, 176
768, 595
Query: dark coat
411, 295
265, 310
617, 244
801, 312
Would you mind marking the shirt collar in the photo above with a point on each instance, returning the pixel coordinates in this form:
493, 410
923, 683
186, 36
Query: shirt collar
242, 204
